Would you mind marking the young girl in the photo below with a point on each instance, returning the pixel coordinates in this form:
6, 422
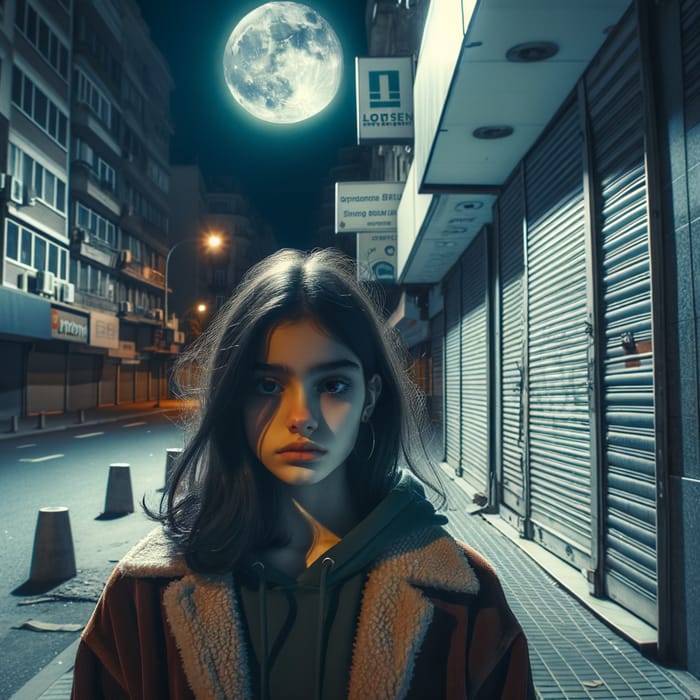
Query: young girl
299, 557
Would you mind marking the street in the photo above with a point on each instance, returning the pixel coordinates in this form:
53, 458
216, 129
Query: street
69, 468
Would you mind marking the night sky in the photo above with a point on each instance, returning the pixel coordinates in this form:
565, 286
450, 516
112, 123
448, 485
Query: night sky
281, 168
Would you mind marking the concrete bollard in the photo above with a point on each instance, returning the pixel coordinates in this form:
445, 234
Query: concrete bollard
14, 424
119, 499
171, 455
53, 557
81, 415
42, 420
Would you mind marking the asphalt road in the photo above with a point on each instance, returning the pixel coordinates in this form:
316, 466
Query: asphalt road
69, 468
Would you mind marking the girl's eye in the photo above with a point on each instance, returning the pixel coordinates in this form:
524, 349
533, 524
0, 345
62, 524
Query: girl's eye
334, 386
267, 386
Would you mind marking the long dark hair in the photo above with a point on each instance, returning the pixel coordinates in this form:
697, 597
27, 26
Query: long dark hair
220, 504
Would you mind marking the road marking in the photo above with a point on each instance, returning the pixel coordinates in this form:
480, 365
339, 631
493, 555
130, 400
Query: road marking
40, 459
86, 435
29, 444
133, 425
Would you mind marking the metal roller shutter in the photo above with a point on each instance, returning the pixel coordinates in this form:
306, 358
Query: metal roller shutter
559, 434
512, 323
437, 399
127, 375
474, 340
142, 380
616, 110
46, 381
108, 382
82, 387
452, 369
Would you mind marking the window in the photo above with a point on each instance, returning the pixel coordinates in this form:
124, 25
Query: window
100, 227
26, 252
92, 280
49, 188
45, 255
38, 107
40, 35
39, 253
53, 259
12, 240
100, 168
88, 93
158, 175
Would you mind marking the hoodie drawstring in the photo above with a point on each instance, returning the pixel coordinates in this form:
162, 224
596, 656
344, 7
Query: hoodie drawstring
262, 603
326, 565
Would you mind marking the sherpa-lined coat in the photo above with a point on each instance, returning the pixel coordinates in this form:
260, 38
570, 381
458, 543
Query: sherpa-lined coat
433, 623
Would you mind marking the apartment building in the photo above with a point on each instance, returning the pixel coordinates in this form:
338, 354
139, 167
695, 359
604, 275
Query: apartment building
84, 156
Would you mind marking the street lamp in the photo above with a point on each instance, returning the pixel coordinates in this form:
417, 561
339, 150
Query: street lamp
213, 241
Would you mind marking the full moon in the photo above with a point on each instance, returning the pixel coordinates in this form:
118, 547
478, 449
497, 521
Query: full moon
283, 62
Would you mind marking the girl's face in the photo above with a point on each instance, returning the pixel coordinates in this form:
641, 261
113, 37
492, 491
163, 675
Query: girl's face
307, 399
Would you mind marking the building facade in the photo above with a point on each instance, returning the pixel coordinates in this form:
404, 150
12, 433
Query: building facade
85, 180
549, 229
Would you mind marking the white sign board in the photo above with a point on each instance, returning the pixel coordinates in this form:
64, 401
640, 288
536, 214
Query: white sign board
361, 207
104, 330
384, 97
376, 257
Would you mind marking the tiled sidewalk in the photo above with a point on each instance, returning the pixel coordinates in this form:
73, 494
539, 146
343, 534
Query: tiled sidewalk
573, 654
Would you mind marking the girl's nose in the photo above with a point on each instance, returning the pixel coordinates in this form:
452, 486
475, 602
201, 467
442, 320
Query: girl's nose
300, 418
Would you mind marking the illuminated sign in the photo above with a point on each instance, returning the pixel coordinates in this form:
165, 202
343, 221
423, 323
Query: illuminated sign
384, 97
66, 325
361, 207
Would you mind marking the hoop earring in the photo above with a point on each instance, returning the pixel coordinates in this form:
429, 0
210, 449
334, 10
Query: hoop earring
371, 430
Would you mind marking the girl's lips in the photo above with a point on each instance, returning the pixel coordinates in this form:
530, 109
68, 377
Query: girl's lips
302, 448
301, 455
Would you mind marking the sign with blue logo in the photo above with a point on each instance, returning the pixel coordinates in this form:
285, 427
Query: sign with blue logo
384, 96
376, 257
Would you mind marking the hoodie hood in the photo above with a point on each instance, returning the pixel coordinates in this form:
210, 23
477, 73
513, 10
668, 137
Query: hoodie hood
402, 512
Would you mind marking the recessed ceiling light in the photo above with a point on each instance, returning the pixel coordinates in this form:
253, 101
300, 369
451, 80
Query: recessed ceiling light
532, 51
492, 132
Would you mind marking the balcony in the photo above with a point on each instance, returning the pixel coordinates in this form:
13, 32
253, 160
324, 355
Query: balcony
143, 273
84, 180
95, 301
87, 245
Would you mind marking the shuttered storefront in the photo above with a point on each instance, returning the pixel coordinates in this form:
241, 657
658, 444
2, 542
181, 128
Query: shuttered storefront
559, 439
142, 381
46, 381
512, 326
475, 344
452, 368
82, 381
437, 397
127, 375
613, 86
108, 381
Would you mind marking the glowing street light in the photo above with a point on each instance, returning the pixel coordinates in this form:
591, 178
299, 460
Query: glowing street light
201, 308
213, 241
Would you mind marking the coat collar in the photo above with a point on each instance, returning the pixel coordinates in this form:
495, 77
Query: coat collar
203, 615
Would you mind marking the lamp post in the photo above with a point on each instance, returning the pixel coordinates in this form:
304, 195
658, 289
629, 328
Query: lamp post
213, 241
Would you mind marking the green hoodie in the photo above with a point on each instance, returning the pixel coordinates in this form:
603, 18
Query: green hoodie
301, 630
